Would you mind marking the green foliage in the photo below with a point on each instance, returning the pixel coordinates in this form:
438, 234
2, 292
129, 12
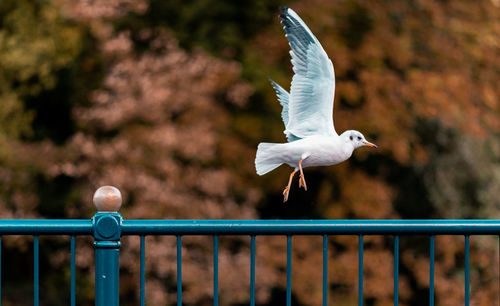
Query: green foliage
35, 43
221, 27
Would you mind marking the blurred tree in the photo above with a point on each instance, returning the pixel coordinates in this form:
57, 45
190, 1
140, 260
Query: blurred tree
220, 27
35, 43
168, 99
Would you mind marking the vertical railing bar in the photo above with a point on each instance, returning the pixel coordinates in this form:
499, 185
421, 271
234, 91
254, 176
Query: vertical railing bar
288, 270
72, 273
142, 290
179, 271
467, 270
396, 270
360, 270
216, 270
431, 271
325, 270
0, 270
252, 270
36, 270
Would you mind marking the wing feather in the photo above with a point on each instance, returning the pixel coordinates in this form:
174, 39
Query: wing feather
283, 98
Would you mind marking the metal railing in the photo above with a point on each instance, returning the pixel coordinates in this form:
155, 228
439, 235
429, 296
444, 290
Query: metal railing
107, 227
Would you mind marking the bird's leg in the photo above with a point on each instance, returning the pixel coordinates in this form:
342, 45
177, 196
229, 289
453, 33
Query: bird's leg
287, 188
302, 180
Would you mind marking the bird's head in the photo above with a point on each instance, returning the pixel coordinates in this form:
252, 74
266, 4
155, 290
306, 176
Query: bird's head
356, 139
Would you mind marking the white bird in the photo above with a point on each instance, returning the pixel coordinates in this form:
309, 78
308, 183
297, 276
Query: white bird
307, 111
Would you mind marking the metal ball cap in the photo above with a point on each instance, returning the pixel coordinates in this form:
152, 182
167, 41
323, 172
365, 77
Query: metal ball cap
107, 199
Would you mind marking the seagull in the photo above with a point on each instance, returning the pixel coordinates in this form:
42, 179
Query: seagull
307, 111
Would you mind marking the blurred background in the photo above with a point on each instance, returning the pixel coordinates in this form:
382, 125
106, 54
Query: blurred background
167, 100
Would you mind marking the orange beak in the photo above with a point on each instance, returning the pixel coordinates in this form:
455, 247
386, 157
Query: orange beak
369, 144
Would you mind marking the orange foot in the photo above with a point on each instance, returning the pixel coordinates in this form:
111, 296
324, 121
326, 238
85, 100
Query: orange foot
285, 194
302, 180
287, 188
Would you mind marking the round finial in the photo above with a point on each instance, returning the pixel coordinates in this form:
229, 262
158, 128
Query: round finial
107, 199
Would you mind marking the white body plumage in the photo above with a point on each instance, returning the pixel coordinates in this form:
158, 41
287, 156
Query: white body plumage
314, 150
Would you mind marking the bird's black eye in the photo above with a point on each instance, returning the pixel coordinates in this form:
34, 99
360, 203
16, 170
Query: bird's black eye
359, 138
350, 137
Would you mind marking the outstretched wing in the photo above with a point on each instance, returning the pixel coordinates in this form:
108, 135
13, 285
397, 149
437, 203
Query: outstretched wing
310, 107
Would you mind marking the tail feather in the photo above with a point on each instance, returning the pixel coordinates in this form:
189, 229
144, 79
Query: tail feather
267, 158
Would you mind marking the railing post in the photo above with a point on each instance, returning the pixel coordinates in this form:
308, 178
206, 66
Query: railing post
107, 231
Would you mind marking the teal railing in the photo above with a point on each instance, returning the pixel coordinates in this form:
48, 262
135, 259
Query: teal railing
107, 227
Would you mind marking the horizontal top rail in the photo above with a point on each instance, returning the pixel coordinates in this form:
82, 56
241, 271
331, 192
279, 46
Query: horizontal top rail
46, 227
309, 227
256, 227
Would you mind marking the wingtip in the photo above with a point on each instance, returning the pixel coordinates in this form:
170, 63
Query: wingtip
284, 12
274, 84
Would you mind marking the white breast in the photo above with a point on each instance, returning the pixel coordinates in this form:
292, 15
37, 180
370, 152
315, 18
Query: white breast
320, 151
